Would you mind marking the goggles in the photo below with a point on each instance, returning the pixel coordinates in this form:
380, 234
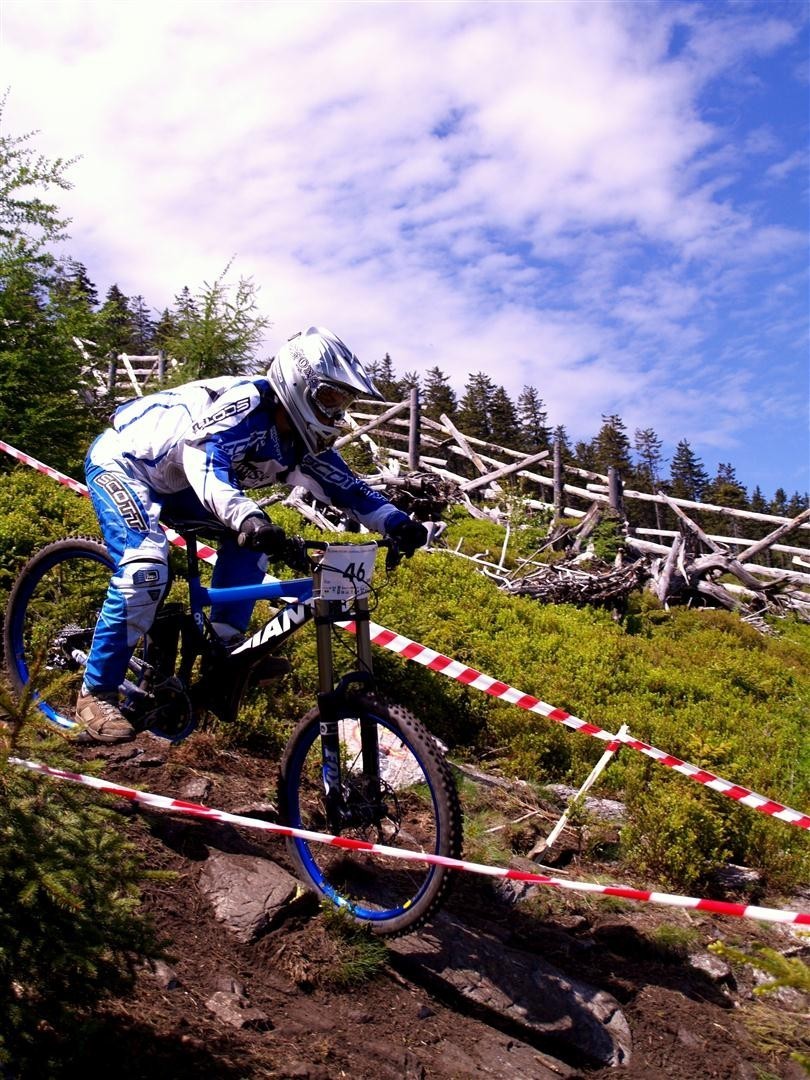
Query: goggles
332, 400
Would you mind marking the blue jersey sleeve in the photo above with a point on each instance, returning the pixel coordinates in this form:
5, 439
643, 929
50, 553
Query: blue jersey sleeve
331, 480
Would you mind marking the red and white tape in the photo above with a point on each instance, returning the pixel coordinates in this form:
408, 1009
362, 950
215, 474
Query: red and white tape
164, 802
207, 554
453, 669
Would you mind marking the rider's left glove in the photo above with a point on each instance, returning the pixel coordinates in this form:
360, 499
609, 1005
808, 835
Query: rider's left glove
259, 534
409, 535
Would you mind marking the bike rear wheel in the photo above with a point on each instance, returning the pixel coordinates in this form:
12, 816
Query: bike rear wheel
414, 807
50, 618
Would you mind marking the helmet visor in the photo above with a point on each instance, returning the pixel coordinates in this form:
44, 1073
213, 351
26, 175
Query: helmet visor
332, 400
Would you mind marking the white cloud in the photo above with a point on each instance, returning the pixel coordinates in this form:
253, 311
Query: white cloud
529, 189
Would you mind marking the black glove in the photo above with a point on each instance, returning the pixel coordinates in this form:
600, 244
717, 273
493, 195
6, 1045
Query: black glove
259, 534
408, 536
295, 555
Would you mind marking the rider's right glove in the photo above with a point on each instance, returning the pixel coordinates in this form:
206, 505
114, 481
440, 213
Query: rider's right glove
409, 535
260, 534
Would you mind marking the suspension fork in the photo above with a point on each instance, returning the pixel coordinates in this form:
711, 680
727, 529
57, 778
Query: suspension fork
332, 708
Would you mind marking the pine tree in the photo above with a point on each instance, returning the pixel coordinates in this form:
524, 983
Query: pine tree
503, 420
217, 331
73, 298
612, 446
438, 397
584, 455
474, 414
410, 381
40, 412
166, 330
534, 432
382, 372
116, 326
688, 478
143, 326
725, 489
561, 437
648, 447
779, 502
797, 504
759, 503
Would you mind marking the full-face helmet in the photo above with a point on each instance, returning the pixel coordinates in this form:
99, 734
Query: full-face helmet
316, 377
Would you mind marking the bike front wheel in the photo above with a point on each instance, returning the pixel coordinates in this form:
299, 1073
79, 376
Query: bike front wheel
406, 799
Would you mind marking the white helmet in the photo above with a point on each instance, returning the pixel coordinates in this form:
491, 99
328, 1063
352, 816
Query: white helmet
316, 377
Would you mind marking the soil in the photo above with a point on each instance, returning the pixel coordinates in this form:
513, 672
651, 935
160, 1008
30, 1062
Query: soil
684, 1023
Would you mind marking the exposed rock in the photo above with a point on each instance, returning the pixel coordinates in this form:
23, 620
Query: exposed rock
741, 881
164, 975
246, 892
713, 967
197, 789
522, 989
232, 1009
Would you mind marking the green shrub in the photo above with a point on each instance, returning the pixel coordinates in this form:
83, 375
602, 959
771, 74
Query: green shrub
70, 928
673, 835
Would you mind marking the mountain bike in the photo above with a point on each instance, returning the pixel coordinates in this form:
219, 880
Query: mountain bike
355, 766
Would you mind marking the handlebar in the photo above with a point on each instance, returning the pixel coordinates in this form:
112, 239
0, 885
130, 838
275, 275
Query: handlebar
296, 552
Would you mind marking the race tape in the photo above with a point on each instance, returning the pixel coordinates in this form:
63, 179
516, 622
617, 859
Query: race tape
164, 802
207, 554
454, 669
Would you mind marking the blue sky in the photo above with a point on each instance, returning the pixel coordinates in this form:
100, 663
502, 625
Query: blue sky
606, 201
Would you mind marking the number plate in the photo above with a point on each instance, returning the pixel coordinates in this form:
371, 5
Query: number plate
346, 571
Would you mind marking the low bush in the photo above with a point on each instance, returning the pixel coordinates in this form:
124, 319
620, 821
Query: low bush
70, 926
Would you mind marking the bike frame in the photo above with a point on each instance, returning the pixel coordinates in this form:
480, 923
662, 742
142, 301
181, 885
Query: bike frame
305, 605
331, 699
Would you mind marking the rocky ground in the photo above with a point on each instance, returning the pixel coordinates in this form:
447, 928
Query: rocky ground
505, 982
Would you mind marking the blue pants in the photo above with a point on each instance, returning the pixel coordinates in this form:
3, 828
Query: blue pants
128, 511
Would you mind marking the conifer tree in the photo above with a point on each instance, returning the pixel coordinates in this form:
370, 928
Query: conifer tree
503, 420
648, 447
759, 503
474, 414
534, 432
779, 502
725, 489
688, 478
40, 412
411, 380
116, 326
797, 504
561, 437
218, 330
612, 446
166, 330
143, 326
382, 372
584, 455
438, 397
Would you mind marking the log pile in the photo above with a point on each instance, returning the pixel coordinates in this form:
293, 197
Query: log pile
695, 569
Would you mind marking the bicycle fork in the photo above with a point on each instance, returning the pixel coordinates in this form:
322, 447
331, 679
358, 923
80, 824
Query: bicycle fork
333, 706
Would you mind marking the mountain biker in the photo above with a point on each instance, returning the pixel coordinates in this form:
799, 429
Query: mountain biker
190, 453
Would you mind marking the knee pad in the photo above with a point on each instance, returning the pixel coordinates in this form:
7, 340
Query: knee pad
141, 583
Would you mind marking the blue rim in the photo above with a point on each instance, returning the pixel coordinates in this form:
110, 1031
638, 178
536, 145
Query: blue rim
305, 852
17, 627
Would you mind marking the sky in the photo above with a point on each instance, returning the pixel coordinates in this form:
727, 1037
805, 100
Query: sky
606, 201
